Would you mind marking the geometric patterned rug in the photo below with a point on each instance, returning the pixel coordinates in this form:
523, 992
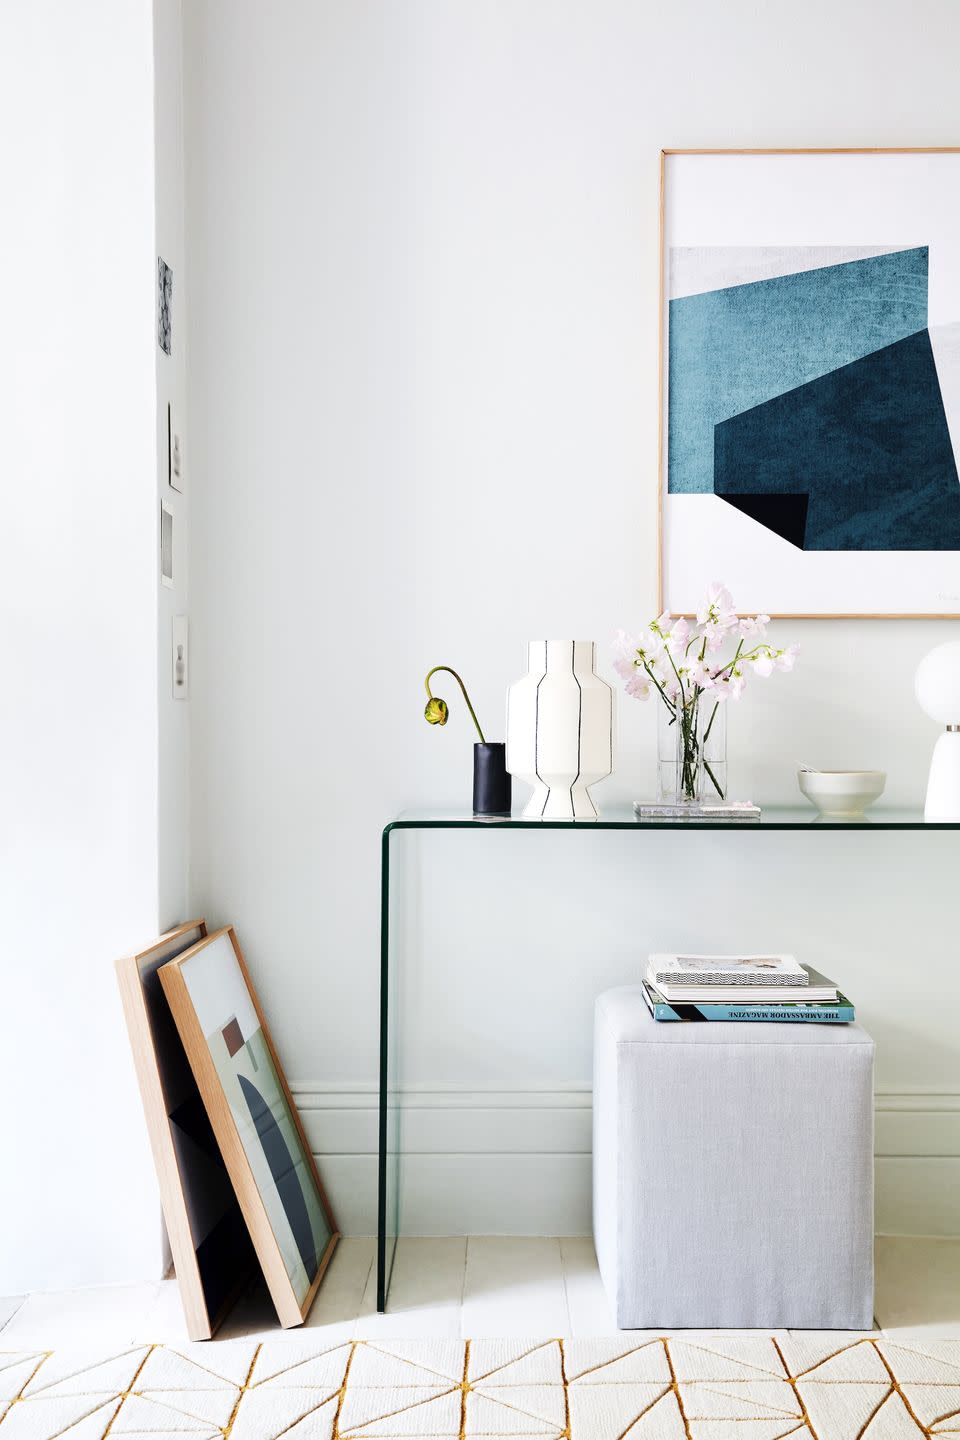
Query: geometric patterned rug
665, 1388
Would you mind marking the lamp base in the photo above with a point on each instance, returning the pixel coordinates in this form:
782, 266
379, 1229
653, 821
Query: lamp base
943, 786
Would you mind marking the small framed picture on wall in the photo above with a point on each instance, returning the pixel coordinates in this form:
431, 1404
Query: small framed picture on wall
166, 545
164, 306
174, 452
810, 380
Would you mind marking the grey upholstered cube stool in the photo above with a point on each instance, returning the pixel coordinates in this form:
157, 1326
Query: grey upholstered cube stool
732, 1171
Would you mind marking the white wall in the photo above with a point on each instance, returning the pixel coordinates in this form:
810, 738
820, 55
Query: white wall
422, 241
173, 715
78, 723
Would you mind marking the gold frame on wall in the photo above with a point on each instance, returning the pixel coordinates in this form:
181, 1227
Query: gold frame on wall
661, 439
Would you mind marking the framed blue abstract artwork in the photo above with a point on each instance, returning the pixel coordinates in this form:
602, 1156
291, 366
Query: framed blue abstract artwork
810, 380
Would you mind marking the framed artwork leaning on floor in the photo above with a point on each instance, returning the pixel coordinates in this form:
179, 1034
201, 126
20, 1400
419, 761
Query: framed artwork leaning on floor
254, 1119
211, 1249
810, 380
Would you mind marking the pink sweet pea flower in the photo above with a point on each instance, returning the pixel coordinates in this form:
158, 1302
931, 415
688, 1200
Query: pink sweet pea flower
718, 609
701, 674
624, 646
678, 637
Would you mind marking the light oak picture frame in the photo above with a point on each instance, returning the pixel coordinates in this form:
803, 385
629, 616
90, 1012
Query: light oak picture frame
211, 1249
254, 1118
945, 593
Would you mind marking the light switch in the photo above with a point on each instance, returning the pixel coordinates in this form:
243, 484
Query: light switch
181, 658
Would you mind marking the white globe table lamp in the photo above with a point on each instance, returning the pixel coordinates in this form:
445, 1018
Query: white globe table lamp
937, 686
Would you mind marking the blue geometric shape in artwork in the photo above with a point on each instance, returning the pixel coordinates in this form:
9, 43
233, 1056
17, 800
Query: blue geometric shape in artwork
867, 444
284, 1172
733, 348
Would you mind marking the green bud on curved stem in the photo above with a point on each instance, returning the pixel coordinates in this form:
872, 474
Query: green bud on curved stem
436, 709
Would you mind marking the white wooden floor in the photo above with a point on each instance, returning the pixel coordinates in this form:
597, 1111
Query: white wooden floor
471, 1288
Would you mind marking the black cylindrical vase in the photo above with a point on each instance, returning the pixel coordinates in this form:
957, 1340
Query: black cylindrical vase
491, 783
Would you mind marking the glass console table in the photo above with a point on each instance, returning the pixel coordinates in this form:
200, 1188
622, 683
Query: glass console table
773, 819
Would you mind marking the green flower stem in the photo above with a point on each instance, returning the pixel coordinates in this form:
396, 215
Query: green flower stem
706, 766
663, 694
706, 733
730, 663
683, 693
689, 732
473, 713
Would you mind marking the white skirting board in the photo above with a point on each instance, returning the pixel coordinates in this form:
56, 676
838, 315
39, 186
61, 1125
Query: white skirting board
517, 1162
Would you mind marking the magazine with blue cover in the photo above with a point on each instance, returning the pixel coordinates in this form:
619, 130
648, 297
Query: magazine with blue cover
821, 1012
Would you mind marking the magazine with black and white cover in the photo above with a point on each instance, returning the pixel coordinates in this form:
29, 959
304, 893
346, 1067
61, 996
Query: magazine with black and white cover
727, 970
816, 988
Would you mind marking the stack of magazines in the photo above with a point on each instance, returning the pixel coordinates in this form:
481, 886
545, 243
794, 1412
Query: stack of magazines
742, 987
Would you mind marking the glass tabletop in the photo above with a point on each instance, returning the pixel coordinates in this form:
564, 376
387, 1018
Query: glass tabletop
789, 817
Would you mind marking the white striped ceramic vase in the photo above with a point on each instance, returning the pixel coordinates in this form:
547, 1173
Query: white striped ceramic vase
560, 729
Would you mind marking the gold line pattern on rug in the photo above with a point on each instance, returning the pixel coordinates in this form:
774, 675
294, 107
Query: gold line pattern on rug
894, 1382
464, 1390
566, 1392
675, 1387
124, 1394
793, 1383
243, 1390
343, 1392
19, 1396
758, 1387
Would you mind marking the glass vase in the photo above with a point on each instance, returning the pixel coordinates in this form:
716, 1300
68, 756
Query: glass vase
692, 752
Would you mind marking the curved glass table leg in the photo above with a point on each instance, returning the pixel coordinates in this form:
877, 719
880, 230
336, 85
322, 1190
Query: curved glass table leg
388, 1198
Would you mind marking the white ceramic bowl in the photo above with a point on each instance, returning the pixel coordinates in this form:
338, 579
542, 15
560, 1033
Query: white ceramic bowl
842, 794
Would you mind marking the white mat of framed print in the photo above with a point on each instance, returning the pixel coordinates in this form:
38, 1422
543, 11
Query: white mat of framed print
810, 415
